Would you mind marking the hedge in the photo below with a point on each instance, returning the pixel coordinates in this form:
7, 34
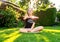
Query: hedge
46, 16
58, 15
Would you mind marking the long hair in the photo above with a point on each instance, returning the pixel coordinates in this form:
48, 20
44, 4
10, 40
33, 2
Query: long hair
30, 11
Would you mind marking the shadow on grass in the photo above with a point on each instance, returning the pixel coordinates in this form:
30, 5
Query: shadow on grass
40, 37
4, 28
32, 37
26, 38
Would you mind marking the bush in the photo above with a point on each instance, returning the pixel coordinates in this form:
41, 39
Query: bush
46, 16
10, 18
1, 20
58, 15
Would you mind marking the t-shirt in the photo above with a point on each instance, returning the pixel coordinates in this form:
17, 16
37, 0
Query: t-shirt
28, 23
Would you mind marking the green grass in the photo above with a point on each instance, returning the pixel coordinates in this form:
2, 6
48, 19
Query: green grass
48, 34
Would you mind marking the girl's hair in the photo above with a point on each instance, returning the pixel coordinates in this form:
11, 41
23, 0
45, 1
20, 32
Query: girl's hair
29, 11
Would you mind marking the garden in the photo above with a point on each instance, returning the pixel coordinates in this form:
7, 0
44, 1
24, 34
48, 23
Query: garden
11, 13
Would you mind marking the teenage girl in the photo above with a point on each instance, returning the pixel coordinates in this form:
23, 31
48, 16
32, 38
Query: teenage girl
29, 23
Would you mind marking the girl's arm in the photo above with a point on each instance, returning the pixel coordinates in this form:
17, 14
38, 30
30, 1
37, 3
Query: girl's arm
25, 17
33, 25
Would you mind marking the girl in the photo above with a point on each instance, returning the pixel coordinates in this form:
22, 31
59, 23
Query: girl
29, 23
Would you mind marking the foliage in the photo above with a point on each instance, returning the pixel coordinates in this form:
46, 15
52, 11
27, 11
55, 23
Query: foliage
13, 1
58, 15
42, 12
45, 1
24, 4
10, 18
43, 4
46, 16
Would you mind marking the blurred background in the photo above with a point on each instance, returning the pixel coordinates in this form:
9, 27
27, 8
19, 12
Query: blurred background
12, 11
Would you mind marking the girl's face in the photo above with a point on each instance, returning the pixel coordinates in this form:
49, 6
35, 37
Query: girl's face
30, 12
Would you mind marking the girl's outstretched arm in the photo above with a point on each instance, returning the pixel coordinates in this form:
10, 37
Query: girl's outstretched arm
25, 17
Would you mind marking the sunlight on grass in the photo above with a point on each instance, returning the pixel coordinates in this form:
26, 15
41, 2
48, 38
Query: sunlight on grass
45, 38
12, 36
53, 33
9, 34
56, 34
51, 30
8, 29
39, 36
11, 39
3, 35
2, 31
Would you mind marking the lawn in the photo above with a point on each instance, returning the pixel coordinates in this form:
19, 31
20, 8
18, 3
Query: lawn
48, 34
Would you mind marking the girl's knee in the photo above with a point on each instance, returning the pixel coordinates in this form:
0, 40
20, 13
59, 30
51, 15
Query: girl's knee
23, 30
41, 27
20, 30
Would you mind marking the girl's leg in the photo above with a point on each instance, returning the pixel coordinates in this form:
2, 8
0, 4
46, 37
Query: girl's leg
23, 30
37, 29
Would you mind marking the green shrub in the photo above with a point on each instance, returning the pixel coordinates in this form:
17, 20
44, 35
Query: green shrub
1, 20
46, 16
58, 15
10, 18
